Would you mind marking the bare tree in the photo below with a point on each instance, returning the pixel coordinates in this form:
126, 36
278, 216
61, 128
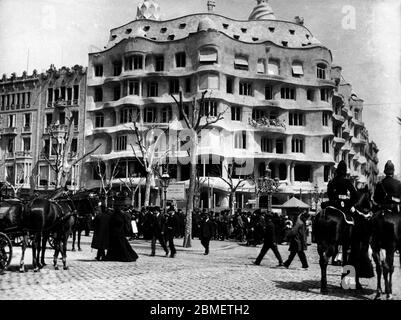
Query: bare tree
149, 155
195, 124
106, 181
61, 138
132, 187
233, 183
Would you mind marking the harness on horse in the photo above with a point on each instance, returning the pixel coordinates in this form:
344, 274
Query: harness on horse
350, 222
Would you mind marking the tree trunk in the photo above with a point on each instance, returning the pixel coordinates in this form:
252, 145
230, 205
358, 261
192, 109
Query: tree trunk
232, 203
149, 176
190, 203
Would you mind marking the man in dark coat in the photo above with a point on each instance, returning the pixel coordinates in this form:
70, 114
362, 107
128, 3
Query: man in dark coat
172, 225
270, 241
206, 232
158, 230
388, 191
341, 192
298, 241
101, 232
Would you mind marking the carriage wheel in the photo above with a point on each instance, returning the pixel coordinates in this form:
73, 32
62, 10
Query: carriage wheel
6, 251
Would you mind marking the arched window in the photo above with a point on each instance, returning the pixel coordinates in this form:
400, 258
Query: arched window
321, 71
207, 56
273, 67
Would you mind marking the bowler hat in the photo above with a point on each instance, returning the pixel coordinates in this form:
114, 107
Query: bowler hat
389, 168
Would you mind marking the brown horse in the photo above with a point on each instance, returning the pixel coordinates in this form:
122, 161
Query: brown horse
57, 217
331, 230
386, 238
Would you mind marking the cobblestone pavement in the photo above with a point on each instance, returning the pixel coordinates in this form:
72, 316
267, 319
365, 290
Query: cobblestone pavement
226, 274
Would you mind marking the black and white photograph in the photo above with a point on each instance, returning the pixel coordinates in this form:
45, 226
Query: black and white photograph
200, 150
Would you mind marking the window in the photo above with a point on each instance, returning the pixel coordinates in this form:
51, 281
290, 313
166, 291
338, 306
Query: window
297, 145
128, 63
99, 70
49, 96
325, 145
174, 85
209, 81
302, 173
69, 95
27, 120
258, 114
117, 68
159, 63
241, 63
10, 145
266, 145
236, 113
11, 120
209, 109
121, 143
75, 115
324, 94
188, 85
26, 144
325, 119
280, 146
356, 114
49, 119
43, 175
288, 93
128, 115
186, 110
63, 91
229, 85
268, 92
321, 71
74, 146
98, 94
261, 66
62, 117
245, 88
326, 173
149, 115
240, 140
297, 69
310, 95
117, 93
296, 119
153, 89
76, 92
180, 60
166, 114
133, 88
137, 62
285, 43
99, 120
207, 56
273, 67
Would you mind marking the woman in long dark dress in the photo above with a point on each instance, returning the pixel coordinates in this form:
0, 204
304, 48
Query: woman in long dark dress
119, 247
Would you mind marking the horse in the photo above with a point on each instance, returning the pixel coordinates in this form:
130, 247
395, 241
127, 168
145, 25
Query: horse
61, 215
331, 229
386, 238
85, 204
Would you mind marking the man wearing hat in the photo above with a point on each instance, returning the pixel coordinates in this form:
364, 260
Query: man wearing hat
388, 191
341, 192
270, 241
206, 231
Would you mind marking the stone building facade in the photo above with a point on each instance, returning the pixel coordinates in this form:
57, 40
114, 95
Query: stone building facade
270, 78
29, 106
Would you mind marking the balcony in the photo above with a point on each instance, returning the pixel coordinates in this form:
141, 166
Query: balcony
275, 125
358, 123
346, 133
26, 129
338, 118
357, 141
9, 131
10, 155
338, 142
61, 103
23, 154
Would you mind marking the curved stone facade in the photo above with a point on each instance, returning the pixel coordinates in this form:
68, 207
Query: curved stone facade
273, 93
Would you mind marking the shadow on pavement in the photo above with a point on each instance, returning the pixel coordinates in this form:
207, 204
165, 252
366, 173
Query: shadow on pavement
336, 291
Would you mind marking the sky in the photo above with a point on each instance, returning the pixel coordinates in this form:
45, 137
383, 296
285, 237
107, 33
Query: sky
363, 35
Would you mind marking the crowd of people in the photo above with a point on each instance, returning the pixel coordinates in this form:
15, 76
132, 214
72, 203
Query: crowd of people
113, 226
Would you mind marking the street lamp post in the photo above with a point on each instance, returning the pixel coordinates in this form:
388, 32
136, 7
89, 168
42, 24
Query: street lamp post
268, 185
165, 181
316, 196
